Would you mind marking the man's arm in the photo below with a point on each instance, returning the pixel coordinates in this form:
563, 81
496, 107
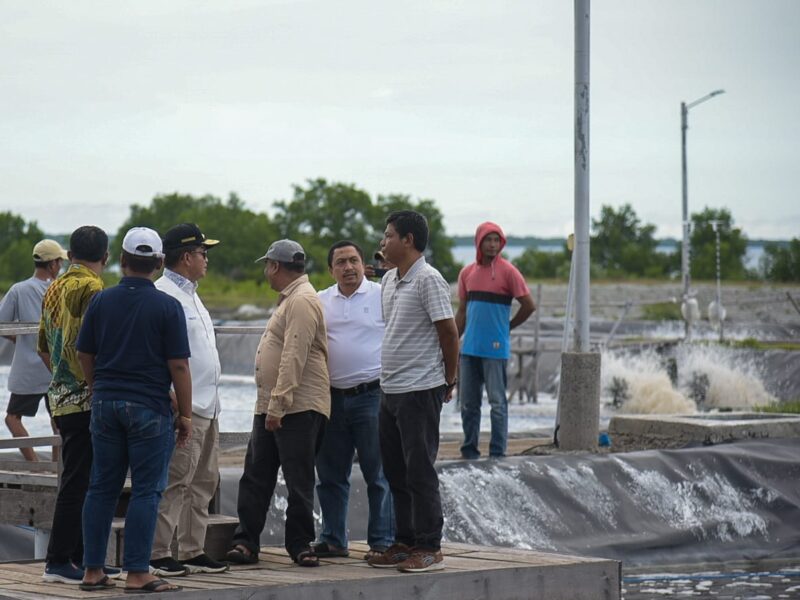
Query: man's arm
448, 342
8, 311
87, 366
182, 383
526, 308
461, 318
302, 320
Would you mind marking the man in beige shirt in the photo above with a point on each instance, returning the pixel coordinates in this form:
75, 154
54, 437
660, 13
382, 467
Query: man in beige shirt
293, 406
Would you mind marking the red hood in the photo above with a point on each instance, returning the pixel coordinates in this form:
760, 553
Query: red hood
483, 230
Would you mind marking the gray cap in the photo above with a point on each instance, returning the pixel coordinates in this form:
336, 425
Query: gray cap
285, 251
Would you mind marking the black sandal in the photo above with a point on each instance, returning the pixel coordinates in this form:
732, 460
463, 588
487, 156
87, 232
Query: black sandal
307, 558
151, 587
240, 555
101, 584
325, 550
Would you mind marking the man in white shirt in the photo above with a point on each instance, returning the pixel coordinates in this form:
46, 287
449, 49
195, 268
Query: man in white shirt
352, 308
193, 470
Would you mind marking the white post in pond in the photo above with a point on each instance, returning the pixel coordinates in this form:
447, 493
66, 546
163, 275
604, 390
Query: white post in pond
579, 389
581, 175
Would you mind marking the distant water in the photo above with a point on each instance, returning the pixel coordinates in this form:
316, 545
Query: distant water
466, 254
238, 394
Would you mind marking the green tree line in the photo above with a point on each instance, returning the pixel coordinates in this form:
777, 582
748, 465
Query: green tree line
623, 247
319, 213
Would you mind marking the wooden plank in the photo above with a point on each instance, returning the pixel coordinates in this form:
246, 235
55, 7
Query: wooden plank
30, 442
53, 590
42, 479
465, 566
29, 466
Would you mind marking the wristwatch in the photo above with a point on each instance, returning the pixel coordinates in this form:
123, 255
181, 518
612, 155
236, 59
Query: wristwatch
450, 386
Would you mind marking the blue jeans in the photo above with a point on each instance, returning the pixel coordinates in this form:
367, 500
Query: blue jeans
475, 373
126, 434
353, 426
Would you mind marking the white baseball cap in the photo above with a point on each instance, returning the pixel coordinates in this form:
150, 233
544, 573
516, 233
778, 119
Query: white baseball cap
142, 241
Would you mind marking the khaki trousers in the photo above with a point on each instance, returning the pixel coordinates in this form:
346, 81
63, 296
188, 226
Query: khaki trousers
193, 479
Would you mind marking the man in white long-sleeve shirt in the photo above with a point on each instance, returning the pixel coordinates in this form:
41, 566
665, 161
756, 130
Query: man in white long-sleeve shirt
193, 470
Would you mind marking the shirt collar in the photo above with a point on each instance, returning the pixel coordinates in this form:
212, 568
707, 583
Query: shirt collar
136, 282
412, 272
290, 289
186, 285
362, 289
82, 270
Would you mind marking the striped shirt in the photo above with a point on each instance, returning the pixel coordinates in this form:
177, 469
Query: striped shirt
411, 357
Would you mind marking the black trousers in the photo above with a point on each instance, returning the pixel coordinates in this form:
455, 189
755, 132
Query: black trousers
293, 448
66, 538
409, 432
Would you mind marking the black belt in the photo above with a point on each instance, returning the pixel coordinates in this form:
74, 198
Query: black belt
361, 388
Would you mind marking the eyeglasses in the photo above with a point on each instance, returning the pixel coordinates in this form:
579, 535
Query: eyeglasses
203, 253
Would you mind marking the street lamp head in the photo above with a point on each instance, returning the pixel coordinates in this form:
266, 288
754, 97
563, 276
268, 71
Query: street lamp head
717, 92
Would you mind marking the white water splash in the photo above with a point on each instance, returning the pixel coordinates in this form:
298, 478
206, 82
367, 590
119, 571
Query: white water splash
582, 486
648, 387
495, 507
719, 377
734, 380
709, 506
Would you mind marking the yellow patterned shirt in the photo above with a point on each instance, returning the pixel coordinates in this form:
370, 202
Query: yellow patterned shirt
63, 307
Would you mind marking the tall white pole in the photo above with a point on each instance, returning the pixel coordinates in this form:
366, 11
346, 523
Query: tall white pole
581, 175
689, 305
579, 388
685, 276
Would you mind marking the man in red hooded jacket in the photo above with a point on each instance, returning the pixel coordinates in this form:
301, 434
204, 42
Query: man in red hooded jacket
485, 291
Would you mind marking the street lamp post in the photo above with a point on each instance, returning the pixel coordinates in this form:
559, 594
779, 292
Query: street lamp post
688, 309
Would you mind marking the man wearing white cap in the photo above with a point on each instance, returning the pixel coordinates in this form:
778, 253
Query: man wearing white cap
132, 347
29, 378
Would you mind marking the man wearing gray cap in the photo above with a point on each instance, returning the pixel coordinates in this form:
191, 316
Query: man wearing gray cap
29, 378
292, 408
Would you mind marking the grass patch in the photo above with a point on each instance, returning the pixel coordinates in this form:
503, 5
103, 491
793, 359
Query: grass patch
661, 311
754, 344
790, 407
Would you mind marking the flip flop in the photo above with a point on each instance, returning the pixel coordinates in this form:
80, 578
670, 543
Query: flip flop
307, 558
325, 550
152, 588
100, 584
240, 555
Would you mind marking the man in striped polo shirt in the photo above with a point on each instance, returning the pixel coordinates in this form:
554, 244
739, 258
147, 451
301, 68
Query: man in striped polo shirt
419, 360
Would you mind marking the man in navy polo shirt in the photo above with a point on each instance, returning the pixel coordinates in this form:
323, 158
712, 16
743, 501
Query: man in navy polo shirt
132, 345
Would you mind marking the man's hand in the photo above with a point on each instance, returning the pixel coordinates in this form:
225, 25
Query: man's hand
184, 428
448, 391
272, 423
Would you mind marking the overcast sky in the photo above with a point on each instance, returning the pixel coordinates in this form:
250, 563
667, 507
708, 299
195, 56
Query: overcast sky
104, 104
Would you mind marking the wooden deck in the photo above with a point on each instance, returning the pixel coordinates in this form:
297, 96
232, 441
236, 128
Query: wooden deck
471, 572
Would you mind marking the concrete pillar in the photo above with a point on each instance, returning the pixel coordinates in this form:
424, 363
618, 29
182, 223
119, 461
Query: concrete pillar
579, 401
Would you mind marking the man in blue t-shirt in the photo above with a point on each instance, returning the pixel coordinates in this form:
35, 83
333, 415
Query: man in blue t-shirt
132, 346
